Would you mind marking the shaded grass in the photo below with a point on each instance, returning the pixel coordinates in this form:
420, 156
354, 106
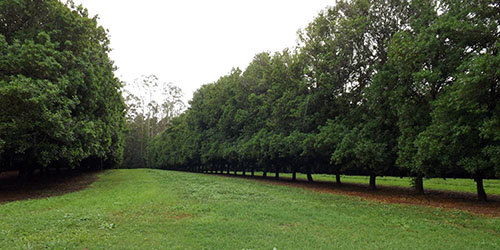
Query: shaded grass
492, 186
147, 209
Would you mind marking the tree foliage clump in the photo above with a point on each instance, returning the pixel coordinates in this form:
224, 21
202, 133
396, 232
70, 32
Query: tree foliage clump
60, 100
375, 87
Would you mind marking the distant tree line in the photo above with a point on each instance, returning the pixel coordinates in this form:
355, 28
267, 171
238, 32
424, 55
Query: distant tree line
375, 87
146, 117
60, 102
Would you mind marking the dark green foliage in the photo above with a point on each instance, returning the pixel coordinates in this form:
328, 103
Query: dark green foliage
430, 60
402, 88
465, 131
61, 103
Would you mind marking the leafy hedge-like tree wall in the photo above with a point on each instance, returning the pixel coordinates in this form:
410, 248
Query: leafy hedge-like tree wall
381, 87
60, 102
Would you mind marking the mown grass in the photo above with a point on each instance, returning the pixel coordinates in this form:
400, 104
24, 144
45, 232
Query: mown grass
154, 209
492, 186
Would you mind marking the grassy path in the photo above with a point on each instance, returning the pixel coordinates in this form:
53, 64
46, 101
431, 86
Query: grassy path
148, 209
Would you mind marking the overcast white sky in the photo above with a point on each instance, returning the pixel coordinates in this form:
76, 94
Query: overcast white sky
191, 43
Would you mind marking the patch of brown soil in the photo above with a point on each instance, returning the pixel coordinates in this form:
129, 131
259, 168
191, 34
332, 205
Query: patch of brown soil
389, 194
182, 216
42, 186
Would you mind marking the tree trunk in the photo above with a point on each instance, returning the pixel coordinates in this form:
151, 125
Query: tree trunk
419, 184
373, 186
337, 179
22, 173
47, 171
481, 194
264, 174
253, 172
294, 175
309, 175
277, 173
29, 173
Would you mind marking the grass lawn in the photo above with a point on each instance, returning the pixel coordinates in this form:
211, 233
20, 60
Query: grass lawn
154, 209
450, 184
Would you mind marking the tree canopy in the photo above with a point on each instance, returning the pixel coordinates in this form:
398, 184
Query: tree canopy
61, 103
375, 87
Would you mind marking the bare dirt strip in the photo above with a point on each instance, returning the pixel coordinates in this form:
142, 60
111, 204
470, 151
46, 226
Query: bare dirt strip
11, 189
400, 195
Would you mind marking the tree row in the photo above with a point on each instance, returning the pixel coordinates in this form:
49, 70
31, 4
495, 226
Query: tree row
60, 102
381, 87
